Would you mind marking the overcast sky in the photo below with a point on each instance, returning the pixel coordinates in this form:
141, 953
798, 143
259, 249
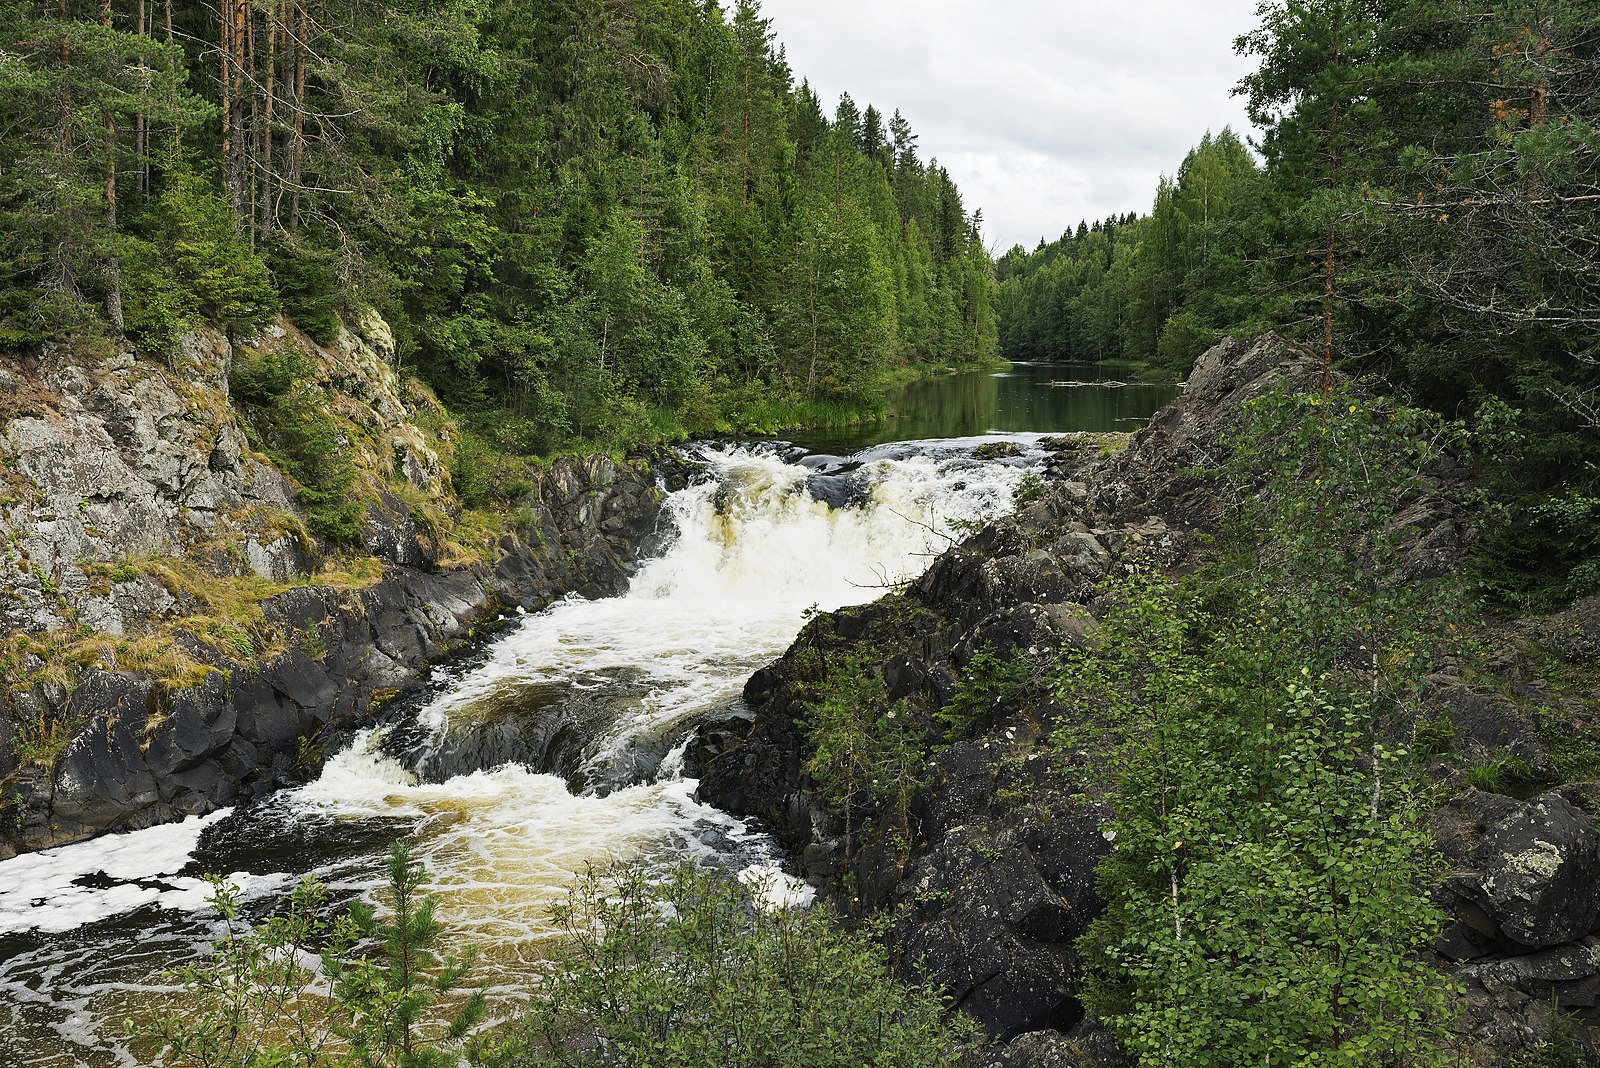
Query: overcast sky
1043, 111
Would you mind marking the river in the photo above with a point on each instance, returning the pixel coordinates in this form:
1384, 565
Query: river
559, 745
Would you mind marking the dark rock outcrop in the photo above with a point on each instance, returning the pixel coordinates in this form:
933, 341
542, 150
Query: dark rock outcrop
1523, 901
997, 880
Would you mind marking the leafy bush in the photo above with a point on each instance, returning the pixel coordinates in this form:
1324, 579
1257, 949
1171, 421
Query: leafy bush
689, 970
693, 970
1267, 888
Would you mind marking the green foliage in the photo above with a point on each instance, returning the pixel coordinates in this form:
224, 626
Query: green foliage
691, 969
1154, 288
1562, 1046
987, 681
41, 738
303, 439
212, 262
257, 1002
1029, 488
586, 224
1267, 892
867, 755
308, 283
261, 378
1424, 210
694, 970
1503, 775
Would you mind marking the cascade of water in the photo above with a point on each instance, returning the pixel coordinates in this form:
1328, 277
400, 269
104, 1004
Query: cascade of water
556, 749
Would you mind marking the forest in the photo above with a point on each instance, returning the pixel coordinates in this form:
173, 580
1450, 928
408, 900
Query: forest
1423, 207
586, 221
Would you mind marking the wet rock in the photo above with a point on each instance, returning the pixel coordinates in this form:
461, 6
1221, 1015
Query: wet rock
148, 755
996, 450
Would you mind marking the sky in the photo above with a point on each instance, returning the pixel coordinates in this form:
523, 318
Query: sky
1043, 111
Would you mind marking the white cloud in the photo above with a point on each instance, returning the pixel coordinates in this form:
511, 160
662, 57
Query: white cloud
1043, 112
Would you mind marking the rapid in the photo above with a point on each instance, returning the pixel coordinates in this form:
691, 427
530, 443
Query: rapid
557, 747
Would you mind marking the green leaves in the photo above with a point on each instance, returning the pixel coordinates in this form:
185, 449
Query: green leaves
1268, 889
695, 969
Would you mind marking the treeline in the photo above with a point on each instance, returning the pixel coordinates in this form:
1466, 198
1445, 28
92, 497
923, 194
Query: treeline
587, 219
1426, 210
1154, 288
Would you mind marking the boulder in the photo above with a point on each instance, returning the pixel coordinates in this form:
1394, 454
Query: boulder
1541, 876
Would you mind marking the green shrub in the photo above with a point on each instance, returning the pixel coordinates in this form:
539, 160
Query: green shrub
867, 755
988, 681
688, 970
260, 378
693, 970
1029, 488
1267, 891
309, 283
303, 440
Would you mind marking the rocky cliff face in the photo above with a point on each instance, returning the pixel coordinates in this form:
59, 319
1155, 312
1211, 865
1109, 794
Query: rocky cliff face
993, 870
178, 639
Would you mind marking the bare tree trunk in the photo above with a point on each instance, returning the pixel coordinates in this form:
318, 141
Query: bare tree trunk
297, 146
110, 267
141, 125
1328, 260
252, 148
238, 193
61, 252
274, 17
225, 13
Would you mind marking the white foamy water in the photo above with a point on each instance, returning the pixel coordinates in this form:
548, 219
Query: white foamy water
753, 553
64, 888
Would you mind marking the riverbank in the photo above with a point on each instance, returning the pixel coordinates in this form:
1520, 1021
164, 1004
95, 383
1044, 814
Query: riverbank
211, 565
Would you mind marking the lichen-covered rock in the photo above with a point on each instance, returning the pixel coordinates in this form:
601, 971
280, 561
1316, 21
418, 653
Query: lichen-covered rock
146, 755
1575, 632
1541, 876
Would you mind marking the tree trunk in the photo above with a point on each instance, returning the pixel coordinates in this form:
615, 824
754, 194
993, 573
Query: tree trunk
297, 146
225, 12
61, 252
141, 125
111, 269
264, 206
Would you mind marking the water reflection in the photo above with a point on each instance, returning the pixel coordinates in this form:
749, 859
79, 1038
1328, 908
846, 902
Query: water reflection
1044, 398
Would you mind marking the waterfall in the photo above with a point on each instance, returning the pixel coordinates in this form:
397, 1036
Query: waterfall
556, 749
